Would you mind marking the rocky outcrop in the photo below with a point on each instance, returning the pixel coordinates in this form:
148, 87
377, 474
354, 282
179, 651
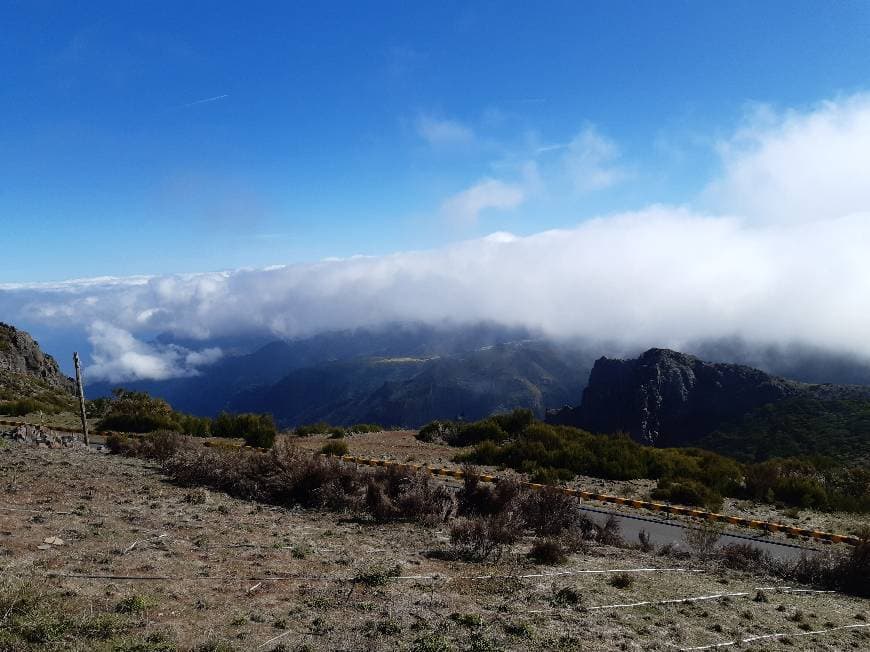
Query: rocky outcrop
20, 354
668, 398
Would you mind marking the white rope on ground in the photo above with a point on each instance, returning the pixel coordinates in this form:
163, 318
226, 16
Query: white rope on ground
580, 572
312, 578
700, 598
767, 637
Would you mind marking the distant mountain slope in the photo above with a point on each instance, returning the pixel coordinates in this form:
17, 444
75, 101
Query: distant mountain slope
797, 426
411, 391
668, 398
217, 385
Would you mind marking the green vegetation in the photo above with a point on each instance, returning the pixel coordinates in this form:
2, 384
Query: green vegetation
25, 406
336, 432
256, 429
338, 448
689, 476
21, 395
129, 411
798, 427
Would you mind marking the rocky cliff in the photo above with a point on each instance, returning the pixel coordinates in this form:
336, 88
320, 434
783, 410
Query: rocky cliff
668, 398
20, 355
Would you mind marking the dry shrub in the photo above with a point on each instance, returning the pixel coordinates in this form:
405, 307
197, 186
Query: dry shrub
481, 537
703, 539
610, 533
393, 494
644, 542
548, 551
477, 499
621, 581
743, 557
550, 513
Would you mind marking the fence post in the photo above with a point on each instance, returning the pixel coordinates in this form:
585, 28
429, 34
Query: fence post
81, 393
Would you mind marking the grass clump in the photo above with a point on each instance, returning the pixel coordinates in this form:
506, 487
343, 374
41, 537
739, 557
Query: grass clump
621, 581
336, 447
377, 575
135, 604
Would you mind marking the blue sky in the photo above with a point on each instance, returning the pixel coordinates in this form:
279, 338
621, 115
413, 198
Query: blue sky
155, 138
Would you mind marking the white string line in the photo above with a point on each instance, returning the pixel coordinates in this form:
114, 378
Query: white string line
291, 578
782, 589
763, 637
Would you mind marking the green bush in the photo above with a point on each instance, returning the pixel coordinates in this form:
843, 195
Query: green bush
137, 412
257, 430
514, 423
336, 447
474, 433
365, 427
23, 407
688, 492
438, 431
306, 430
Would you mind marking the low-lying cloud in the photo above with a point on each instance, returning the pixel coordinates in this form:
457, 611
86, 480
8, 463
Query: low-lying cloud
794, 271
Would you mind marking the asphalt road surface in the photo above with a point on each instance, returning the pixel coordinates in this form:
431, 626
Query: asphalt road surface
662, 532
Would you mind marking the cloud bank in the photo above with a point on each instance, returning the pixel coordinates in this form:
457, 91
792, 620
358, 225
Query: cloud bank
779, 256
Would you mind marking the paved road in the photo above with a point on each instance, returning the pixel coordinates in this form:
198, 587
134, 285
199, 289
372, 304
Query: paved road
662, 532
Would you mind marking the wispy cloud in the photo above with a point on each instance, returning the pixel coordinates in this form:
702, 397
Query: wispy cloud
465, 207
440, 132
592, 161
203, 101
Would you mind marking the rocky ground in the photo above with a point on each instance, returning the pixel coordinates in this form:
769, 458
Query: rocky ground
115, 558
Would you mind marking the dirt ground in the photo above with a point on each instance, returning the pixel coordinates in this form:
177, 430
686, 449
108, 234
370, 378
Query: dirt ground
253, 577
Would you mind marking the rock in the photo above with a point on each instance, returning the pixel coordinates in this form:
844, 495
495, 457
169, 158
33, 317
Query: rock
41, 437
667, 398
53, 541
20, 354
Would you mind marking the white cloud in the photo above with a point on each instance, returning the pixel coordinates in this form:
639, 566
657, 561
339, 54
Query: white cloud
118, 356
661, 276
591, 161
466, 206
795, 167
442, 132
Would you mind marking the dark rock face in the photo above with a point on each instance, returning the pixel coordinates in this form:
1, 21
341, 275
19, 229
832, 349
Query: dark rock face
20, 354
668, 398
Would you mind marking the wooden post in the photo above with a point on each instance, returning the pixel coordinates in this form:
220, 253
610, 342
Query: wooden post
81, 393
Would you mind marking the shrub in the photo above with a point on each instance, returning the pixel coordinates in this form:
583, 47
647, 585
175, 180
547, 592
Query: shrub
365, 427
319, 428
609, 534
137, 412
336, 447
473, 433
23, 407
438, 431
621, 581
377, 575
687, 492
703, 538
514, 423
258, 430
549, 512
548, 551
481, 537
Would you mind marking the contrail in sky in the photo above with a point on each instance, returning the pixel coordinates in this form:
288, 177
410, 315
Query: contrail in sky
206, 100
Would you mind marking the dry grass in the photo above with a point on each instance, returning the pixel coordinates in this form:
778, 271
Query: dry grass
223, 557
